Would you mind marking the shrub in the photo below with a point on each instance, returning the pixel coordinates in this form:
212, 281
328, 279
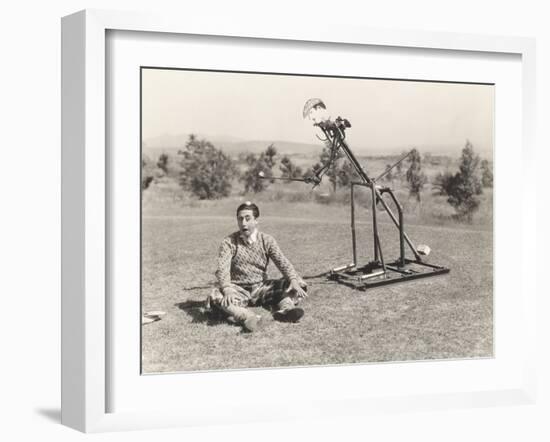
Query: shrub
486, 174
149, 172
205, 171
399, 167
346, 174
162, 163
464, 187
416, 178
389, 173
289, 169
260, 169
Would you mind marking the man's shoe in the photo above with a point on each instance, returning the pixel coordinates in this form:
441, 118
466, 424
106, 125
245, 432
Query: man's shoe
252, 323
289, 315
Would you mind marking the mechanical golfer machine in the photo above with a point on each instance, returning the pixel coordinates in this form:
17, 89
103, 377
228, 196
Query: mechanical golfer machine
378, 271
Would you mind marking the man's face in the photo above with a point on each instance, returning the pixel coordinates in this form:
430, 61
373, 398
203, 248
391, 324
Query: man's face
247, 222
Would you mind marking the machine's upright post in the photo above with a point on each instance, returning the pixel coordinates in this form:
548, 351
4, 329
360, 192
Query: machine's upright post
401, 229
378, 255
396, 222
353, 239
374, 223
401, 237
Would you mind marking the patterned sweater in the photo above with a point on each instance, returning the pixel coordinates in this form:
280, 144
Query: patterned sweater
246, 264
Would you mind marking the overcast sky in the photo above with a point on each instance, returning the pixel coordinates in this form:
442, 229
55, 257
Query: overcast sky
385, 114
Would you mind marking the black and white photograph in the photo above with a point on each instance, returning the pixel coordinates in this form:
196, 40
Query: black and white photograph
285, 220
302, 220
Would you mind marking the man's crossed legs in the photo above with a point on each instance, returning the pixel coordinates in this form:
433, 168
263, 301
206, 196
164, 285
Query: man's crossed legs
271, 293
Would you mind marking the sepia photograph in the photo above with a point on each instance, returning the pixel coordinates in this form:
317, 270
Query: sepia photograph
305, 220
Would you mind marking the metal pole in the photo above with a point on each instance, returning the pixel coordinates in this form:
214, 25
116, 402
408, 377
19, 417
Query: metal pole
396, 222
401, 238
374, 224
383, 174
379, 257
353, 238
401, 228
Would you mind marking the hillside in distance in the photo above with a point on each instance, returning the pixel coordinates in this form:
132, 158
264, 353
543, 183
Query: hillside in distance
230, 145
171, 144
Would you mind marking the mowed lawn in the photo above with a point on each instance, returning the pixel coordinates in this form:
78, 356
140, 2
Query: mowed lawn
449, 316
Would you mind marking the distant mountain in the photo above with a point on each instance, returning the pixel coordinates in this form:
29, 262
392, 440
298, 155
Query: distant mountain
233, 146
177, 141
283, 147
230, 145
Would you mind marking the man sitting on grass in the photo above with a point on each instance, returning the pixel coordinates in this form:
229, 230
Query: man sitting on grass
242, 278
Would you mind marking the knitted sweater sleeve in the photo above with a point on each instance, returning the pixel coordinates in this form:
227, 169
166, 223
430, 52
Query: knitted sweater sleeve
279, 259
225, 254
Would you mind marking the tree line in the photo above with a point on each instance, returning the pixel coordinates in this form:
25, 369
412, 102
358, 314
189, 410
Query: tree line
208, 173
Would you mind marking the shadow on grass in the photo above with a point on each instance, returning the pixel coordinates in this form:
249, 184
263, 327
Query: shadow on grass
349, 284
200, 314
211, 317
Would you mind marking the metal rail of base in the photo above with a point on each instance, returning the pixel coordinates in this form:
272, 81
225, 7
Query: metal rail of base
373, 274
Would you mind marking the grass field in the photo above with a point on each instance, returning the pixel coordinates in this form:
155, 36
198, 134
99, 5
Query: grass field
449, 316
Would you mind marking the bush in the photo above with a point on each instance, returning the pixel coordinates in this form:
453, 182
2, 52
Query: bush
162, 163
289, 169
389, 173
205, 171
346, 174
486, 174
416, 178
464, 187
149, 172
260, 169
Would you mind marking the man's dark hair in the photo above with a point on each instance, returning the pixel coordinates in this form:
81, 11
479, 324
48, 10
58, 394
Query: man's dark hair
249, 206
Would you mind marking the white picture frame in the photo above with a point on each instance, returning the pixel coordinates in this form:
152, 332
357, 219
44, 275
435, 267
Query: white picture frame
86, 211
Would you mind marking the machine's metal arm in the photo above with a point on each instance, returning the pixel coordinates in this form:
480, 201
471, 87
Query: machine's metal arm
389, 169
308, 179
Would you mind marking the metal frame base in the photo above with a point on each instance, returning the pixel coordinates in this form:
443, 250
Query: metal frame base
373, 274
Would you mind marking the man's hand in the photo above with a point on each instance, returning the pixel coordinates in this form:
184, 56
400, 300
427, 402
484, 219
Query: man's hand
296, 287
230, 295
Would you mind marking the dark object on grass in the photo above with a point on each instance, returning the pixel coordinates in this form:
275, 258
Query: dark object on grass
290, 315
